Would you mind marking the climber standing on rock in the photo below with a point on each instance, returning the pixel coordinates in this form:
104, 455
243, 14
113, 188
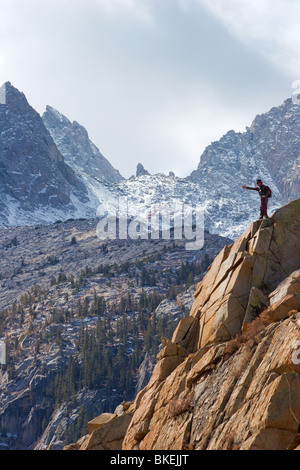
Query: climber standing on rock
264, 192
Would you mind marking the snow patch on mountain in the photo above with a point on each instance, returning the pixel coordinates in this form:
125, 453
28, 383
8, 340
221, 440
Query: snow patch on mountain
50, 169
78, 150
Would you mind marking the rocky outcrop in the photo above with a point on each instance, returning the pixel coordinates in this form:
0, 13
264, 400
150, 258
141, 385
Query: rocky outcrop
140, 170
144, 372
259, 259
78, 150
36, 185
218, 400
229, 378
269, 148
107, 431
79, 182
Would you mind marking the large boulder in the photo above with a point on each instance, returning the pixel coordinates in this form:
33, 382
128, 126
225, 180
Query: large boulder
106, 431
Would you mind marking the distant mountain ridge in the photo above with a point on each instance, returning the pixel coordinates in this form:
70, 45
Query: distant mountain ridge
269, 149
80, 178
78, 150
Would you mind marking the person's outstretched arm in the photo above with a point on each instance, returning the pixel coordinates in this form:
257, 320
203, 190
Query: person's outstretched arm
252, 189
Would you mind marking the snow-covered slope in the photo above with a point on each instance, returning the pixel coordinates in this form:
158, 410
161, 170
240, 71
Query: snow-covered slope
36, 185
269, 150
50, 169
224, 214
78, 150
90, 166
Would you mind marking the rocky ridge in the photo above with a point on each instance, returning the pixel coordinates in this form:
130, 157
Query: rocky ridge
229, 377
36, 183
269, 149
140, 170
77, 149
51, 170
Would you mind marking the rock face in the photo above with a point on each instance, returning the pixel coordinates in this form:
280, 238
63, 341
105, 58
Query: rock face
144, 372
260, 258
291, 183
77, 149
230, 376
36, 183
268, 149
78, 181
140, 170
107, 431
249, 400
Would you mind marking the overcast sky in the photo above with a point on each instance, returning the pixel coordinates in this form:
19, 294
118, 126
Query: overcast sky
153, 81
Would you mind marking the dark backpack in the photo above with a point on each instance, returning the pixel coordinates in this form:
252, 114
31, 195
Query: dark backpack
269, 189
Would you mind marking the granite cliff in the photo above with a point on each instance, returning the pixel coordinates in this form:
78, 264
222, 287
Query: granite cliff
229, 377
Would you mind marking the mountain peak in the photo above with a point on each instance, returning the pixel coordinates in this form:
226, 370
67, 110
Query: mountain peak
33, 175
12, 97
50, 111
140, 170
12, 90
5, 85
78, 150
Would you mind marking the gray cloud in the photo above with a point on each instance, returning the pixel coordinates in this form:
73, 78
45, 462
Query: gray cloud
151, 81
